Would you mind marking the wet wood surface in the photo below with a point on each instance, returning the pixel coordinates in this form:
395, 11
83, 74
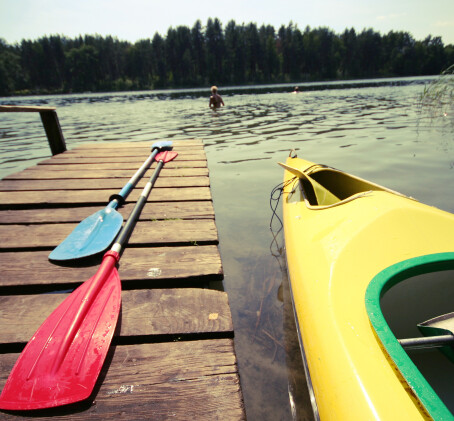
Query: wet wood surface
172, 356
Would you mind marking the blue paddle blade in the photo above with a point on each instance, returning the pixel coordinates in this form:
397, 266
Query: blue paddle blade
162, 144
91, 236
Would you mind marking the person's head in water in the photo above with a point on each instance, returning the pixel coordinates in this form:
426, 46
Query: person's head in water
216, 100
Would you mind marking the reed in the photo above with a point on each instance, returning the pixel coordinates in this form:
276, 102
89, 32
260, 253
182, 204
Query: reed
438, 96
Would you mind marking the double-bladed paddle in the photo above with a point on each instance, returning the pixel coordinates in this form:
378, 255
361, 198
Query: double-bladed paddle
439, 332
61, 362
96, 232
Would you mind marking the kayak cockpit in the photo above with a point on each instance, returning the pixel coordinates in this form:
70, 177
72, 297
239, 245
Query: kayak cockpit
378, 287
323, 186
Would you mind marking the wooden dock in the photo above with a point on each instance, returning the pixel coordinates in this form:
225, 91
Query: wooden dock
172, 356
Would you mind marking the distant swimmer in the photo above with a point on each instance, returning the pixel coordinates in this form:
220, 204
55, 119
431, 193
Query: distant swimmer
216, 100
296, 90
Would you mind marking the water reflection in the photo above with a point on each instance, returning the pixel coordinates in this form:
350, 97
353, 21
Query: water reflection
299, 395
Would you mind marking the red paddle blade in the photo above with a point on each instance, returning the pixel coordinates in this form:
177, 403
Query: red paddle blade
61, 363
166, 156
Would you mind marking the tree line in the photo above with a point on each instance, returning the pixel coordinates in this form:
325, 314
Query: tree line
210, 54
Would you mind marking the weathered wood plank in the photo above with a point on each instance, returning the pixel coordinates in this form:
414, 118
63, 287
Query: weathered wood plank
87, 197
186, 143
44, 173
136, 264
99, 184
132, 166
113, 156
145, 233
172, 380
162, 380
153, 211
24, 109
143, 313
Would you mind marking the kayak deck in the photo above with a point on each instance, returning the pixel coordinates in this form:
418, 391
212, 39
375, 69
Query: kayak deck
341, 232
173, 351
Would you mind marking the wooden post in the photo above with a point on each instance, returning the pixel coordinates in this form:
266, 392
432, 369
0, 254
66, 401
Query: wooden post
53, 131
50, 122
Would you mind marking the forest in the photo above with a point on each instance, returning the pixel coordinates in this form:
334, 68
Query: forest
237, 54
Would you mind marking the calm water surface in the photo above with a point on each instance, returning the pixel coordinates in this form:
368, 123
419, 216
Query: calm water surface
377, 132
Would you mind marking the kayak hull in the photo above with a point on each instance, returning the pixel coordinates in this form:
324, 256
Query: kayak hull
336, 243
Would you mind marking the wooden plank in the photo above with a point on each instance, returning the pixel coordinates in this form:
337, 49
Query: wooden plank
161, 381
26, 109
176, 144
132, 166
136, 264
201, 231
143, 313
192, 377
153, 211
44, 173
113, 156
125, 147
99, 197
132, 152
99, 184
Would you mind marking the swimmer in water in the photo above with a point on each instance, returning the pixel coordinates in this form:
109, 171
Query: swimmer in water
216, 100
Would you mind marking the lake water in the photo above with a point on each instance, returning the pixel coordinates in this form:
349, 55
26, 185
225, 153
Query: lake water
373, 129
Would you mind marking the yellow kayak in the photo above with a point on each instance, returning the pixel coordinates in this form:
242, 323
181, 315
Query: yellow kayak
347, 242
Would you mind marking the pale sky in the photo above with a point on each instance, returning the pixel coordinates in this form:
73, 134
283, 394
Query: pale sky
131, 20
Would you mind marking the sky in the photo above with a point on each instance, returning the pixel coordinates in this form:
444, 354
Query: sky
131, 20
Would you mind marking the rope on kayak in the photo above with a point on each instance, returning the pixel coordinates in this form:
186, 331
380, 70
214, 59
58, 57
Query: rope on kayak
275, 198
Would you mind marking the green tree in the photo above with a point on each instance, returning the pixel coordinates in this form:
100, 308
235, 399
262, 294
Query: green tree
349, 65
159, 65
199, 56
215, 50
140, 64
235, 54
370, 53
10, 69
199, 53
185, 68
270, 62
399, 54
82, 65
253, 53
435, 57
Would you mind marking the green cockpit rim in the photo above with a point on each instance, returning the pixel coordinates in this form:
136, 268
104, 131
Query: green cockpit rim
379, 285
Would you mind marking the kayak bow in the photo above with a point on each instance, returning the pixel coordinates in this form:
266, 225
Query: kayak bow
347, 242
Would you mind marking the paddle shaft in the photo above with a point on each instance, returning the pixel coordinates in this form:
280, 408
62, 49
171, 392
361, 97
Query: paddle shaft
109, 261
427, 342
125, 233
119, 198
102, 275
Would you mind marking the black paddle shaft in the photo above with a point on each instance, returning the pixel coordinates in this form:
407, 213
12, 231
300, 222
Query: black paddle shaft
127, 229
